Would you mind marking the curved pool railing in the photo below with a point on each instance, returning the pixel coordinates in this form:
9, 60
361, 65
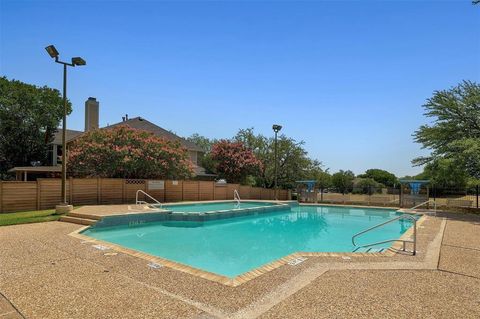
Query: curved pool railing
404, 241
236, 197
139, 202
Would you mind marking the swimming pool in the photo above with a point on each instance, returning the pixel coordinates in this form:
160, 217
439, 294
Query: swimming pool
230, 247
210, 207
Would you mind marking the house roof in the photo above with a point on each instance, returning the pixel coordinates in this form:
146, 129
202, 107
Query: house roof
142, 124
71, 134
137, 123
200, 171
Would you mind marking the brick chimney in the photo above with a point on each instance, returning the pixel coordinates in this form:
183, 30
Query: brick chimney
91, 114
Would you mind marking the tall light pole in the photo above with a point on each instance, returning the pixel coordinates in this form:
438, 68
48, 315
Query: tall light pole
276, 128
63, 207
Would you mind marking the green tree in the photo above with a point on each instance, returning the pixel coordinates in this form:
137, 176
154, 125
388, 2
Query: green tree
205, 159
125, 152
455, 129
366, 185
381, 176
29, 116
293, 161
343, 180
323, 177
204, 142
445, 173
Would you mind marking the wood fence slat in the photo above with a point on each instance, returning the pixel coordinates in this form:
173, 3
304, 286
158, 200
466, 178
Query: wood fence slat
206, 190
173, 191
19, 196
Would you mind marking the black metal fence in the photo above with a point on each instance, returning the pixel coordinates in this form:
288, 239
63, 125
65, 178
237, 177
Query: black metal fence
399, 196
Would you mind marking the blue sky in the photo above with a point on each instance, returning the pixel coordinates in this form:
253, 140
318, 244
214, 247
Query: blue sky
348, 78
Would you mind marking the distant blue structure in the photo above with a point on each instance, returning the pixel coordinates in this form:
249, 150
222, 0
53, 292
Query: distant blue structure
414, 197
310, 184
309, 193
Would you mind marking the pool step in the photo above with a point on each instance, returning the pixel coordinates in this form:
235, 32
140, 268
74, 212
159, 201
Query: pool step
77, 220
83, 216
368, 250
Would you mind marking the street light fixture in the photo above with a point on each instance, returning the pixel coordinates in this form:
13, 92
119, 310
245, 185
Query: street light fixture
52, 51
78, 61
276, 128
63, 207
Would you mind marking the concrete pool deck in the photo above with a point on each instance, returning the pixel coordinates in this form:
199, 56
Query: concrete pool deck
45, 273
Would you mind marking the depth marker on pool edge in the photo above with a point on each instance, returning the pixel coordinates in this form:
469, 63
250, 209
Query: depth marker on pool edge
297, 261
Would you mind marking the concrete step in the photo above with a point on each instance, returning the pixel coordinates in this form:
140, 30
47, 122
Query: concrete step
76, 220
83, 216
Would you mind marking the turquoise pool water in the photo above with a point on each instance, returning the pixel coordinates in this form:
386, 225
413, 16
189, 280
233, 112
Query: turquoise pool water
208, 207
233, 246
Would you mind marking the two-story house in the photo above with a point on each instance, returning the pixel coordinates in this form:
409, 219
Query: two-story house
92, 107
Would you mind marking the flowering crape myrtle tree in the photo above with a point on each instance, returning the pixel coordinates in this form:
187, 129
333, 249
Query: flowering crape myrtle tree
124, 152
234, 162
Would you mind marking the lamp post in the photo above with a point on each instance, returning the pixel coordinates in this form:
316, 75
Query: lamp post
63, 207
276, 128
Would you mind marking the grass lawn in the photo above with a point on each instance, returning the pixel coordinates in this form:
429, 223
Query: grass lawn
35, 216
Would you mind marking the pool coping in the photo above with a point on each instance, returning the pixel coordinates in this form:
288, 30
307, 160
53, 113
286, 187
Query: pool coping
133, 209
230, 212
254, 273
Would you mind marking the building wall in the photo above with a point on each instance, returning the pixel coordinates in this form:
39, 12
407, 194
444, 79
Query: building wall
193, 157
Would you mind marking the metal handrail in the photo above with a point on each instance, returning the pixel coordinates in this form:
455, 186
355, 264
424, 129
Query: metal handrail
426, 202
138, 202
404, 241
421, 204
236, 196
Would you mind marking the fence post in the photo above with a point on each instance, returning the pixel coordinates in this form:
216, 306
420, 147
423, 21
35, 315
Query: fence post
183, 186
38, 194
165, 191
71, 190
124, 181
198, 190
477, 195
400, 203
99, 193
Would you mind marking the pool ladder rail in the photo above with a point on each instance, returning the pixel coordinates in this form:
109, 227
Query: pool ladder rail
369, 248
236, 197
412, 209
142, 202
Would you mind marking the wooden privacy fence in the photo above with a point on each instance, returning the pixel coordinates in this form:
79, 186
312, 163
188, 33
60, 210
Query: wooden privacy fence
46, 193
